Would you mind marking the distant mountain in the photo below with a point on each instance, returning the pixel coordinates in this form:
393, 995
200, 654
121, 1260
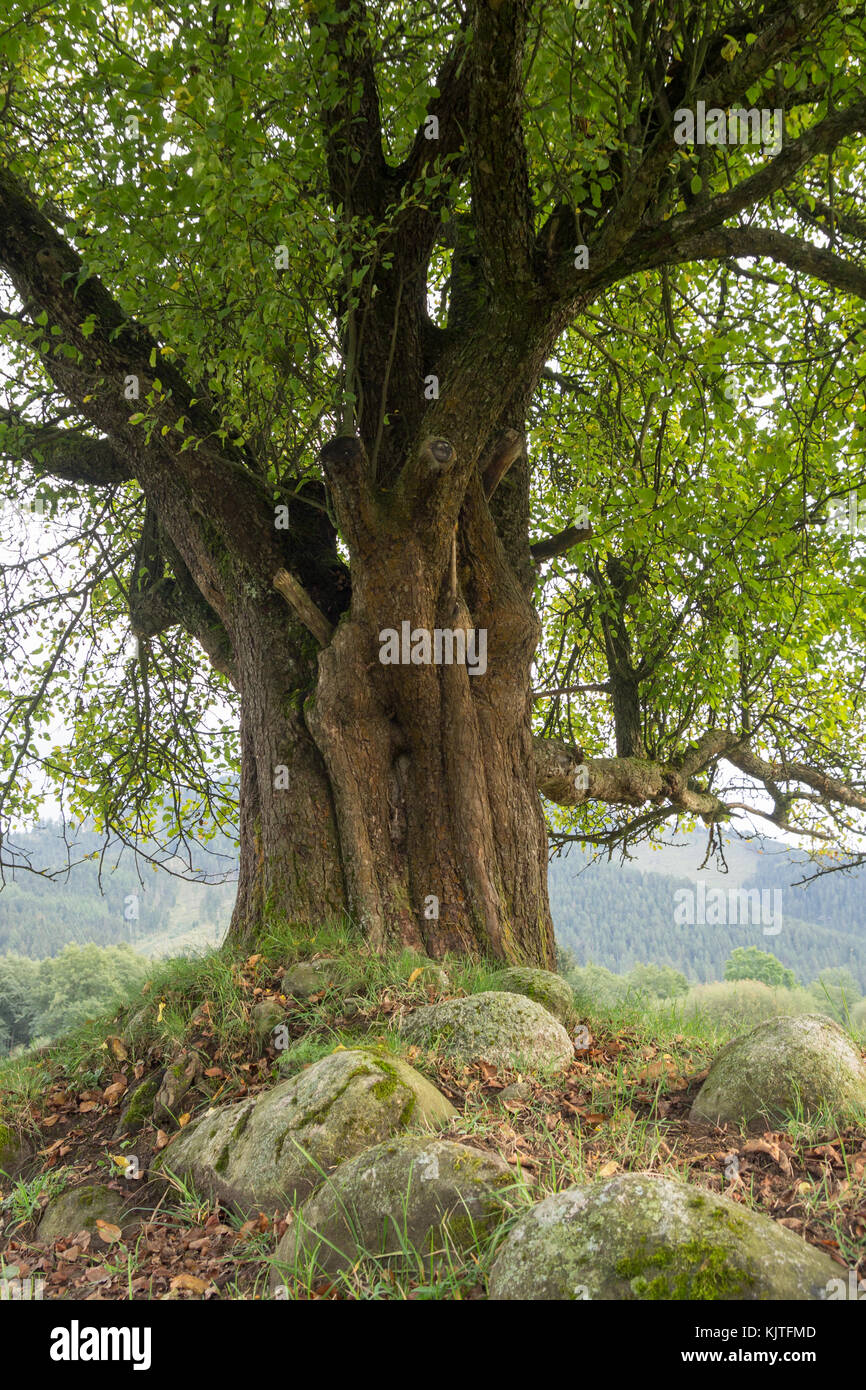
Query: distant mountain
615, 915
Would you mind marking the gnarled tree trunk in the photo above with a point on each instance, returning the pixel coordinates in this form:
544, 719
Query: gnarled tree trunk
402, 791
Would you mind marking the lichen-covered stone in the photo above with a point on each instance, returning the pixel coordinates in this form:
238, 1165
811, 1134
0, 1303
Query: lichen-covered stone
269, 1151
517, 1091
139, 1107
265, 1016
505, 1030
801, 1066
641, 1237
79, 1209
399, 1196
176, 1081
309, 977
546, 988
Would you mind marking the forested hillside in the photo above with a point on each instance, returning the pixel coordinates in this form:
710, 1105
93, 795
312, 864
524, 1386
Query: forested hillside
103, 901
608, 913
617, 916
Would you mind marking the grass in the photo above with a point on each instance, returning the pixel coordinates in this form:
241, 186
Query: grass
24, 1201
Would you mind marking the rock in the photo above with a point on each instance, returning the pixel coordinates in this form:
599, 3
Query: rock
518, 1090
404, 1193
267, 1015
800, 1066
309, 977
272, 1150
546, 988
505, 1030
641, 1237
79, 1209
14, 1150
139, 1107
167, 1108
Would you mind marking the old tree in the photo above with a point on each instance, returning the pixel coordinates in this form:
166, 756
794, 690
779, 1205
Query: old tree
323, 318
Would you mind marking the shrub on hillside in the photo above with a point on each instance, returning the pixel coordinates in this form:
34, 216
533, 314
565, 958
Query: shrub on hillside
596, 989
739, 1004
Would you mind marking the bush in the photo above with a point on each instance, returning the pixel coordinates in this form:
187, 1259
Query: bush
748, 963
41, 999
656, 982
736, 1005
596, 988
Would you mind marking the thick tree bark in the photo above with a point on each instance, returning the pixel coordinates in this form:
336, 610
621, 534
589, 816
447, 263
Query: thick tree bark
290, 866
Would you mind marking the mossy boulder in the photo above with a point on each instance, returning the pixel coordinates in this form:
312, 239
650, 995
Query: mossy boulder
310, 977
803, 1066
265, 1016
546, 988
139, 1107
505, 1030
637, 1237
402, 1195
14, 1150
272, 1150
79, 1209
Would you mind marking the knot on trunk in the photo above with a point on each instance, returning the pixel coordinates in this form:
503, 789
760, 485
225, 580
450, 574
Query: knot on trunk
435, 455
342, 456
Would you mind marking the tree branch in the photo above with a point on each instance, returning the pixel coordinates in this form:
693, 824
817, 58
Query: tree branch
559, 544
303, 606
719, 84
501, 200
64, 453
352, 119
819, 139
742, 242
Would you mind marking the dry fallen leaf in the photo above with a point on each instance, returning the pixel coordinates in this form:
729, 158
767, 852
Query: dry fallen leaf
113, 1092
107, 1232
191, 1282
118, 1047
766, 1146
184, 1120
